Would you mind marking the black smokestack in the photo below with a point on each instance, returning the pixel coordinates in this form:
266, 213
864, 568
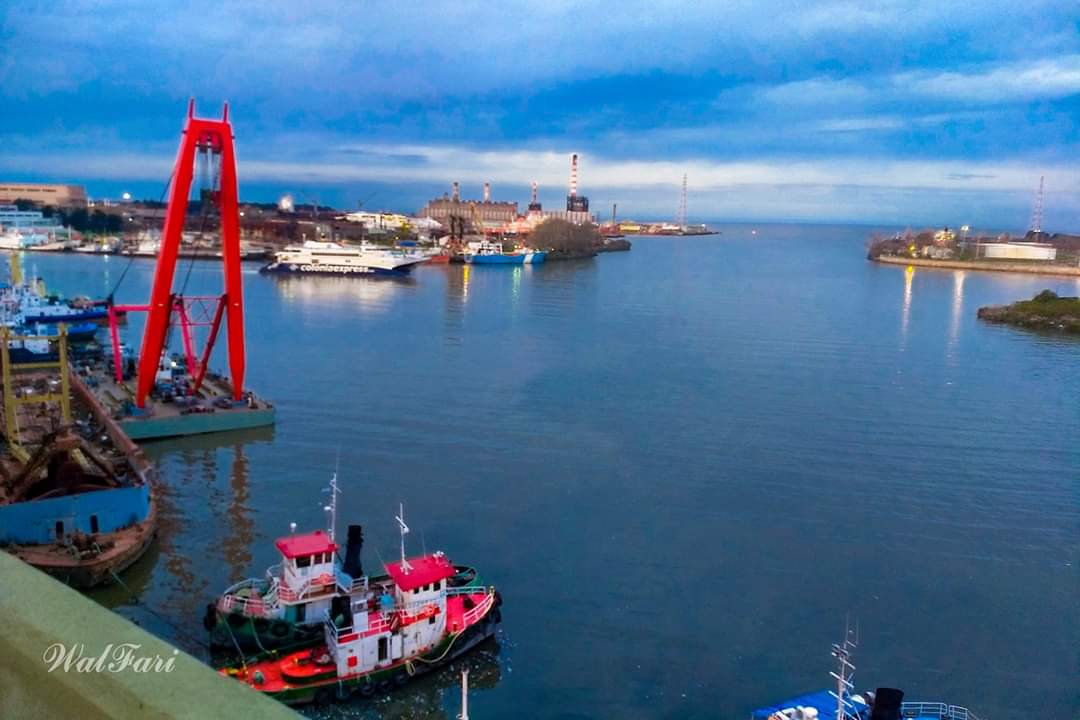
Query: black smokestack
887, 702
355, 544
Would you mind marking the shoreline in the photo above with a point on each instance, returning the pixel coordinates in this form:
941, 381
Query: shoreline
984, 266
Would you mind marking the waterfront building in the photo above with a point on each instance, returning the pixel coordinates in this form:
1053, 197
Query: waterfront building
44, 194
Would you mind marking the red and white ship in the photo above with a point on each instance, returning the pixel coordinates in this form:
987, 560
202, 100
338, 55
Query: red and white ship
375, 640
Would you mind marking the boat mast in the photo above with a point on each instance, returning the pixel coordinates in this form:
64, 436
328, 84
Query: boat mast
331, 509
400, 517
845, 672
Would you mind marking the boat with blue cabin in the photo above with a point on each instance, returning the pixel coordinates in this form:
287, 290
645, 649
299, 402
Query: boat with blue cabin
486, 252
843, 703
331, 258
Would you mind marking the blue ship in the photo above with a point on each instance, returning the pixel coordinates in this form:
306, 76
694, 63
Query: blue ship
491, 253
843, 703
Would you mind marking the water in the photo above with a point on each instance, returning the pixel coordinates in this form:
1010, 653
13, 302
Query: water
683, 466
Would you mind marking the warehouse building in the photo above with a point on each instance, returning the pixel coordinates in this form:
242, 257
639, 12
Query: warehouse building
67, 196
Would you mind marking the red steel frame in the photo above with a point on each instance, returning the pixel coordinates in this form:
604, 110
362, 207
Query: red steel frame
215, 135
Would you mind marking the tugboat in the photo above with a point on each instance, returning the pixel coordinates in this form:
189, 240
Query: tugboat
286, 608
844, 704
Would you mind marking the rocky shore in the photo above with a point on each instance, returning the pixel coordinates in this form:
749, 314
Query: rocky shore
1046, 311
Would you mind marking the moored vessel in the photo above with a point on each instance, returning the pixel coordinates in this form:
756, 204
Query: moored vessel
330, 258
76, 501
843, 703
374, 632
486, 252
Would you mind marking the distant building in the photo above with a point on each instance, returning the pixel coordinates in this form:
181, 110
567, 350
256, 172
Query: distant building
1017, 251
942, 237
44, 194
491, 213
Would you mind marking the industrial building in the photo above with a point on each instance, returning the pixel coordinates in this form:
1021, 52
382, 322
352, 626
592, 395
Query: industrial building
486, 212
66, 196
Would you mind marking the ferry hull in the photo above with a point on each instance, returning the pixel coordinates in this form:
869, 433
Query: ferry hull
366, 270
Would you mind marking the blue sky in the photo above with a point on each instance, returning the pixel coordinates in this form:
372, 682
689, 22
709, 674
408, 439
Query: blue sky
886, 112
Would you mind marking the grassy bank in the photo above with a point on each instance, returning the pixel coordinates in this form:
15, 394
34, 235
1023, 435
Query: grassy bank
1045, 311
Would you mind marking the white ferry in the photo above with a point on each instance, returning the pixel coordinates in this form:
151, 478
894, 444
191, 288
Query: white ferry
336, 259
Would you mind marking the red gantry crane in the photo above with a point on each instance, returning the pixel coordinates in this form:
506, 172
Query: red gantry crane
214, 140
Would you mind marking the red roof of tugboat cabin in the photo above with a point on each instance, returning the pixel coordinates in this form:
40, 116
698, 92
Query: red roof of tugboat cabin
422, 571
301, 545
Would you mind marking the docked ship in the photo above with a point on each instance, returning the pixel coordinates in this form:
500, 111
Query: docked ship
75, 501
843, 703
375, 632
337, 259
279, 611
486, 252
29, 300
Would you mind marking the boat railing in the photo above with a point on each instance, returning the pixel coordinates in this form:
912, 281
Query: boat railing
348, 584
480, 609
254, 604
312, 586
936, 710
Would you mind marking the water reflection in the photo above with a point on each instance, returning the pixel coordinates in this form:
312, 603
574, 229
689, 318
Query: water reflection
370, 294
957, 309
905, 312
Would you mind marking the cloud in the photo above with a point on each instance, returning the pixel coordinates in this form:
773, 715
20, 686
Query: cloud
1047, 78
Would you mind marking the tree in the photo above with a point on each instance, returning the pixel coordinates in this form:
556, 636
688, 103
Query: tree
560, 235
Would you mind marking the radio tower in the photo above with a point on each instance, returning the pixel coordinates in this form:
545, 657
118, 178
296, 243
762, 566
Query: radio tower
1037, 211
680, 220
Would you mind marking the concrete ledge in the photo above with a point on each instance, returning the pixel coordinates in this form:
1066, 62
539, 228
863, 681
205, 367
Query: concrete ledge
39, 612
994, 266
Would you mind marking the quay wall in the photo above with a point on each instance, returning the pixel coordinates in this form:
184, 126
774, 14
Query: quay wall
40, 612
995, 266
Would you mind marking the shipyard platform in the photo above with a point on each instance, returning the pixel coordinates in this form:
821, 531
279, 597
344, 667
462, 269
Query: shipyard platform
211, 409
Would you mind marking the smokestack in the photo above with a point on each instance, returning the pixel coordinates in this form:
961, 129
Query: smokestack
533, 201
456, 194
487, 192
355, 543
573, 175
887, 702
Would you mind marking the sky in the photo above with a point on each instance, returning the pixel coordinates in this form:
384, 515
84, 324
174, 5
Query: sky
894, 112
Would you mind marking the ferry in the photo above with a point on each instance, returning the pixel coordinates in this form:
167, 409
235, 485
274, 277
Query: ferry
375, 634
337, 259
843, 703
486, 252
274, 612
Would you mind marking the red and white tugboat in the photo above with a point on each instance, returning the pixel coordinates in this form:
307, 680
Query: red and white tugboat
377, 639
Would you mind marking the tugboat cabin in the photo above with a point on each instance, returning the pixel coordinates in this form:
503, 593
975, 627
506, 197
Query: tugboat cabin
307, 573
408, 619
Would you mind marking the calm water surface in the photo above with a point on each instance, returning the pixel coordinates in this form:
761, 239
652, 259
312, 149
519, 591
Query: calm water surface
683, 466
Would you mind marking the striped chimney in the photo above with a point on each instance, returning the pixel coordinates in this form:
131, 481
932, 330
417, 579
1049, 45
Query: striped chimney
573, 175
487, 192
533, 192
456, 196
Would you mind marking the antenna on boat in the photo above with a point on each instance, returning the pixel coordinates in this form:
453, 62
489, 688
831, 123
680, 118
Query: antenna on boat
464, 695
404, 531
845, 672
331, 509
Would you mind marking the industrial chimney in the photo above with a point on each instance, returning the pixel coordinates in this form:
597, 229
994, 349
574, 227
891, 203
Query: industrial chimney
456, 194
573, 175
487, 192
534, 203
574, 202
